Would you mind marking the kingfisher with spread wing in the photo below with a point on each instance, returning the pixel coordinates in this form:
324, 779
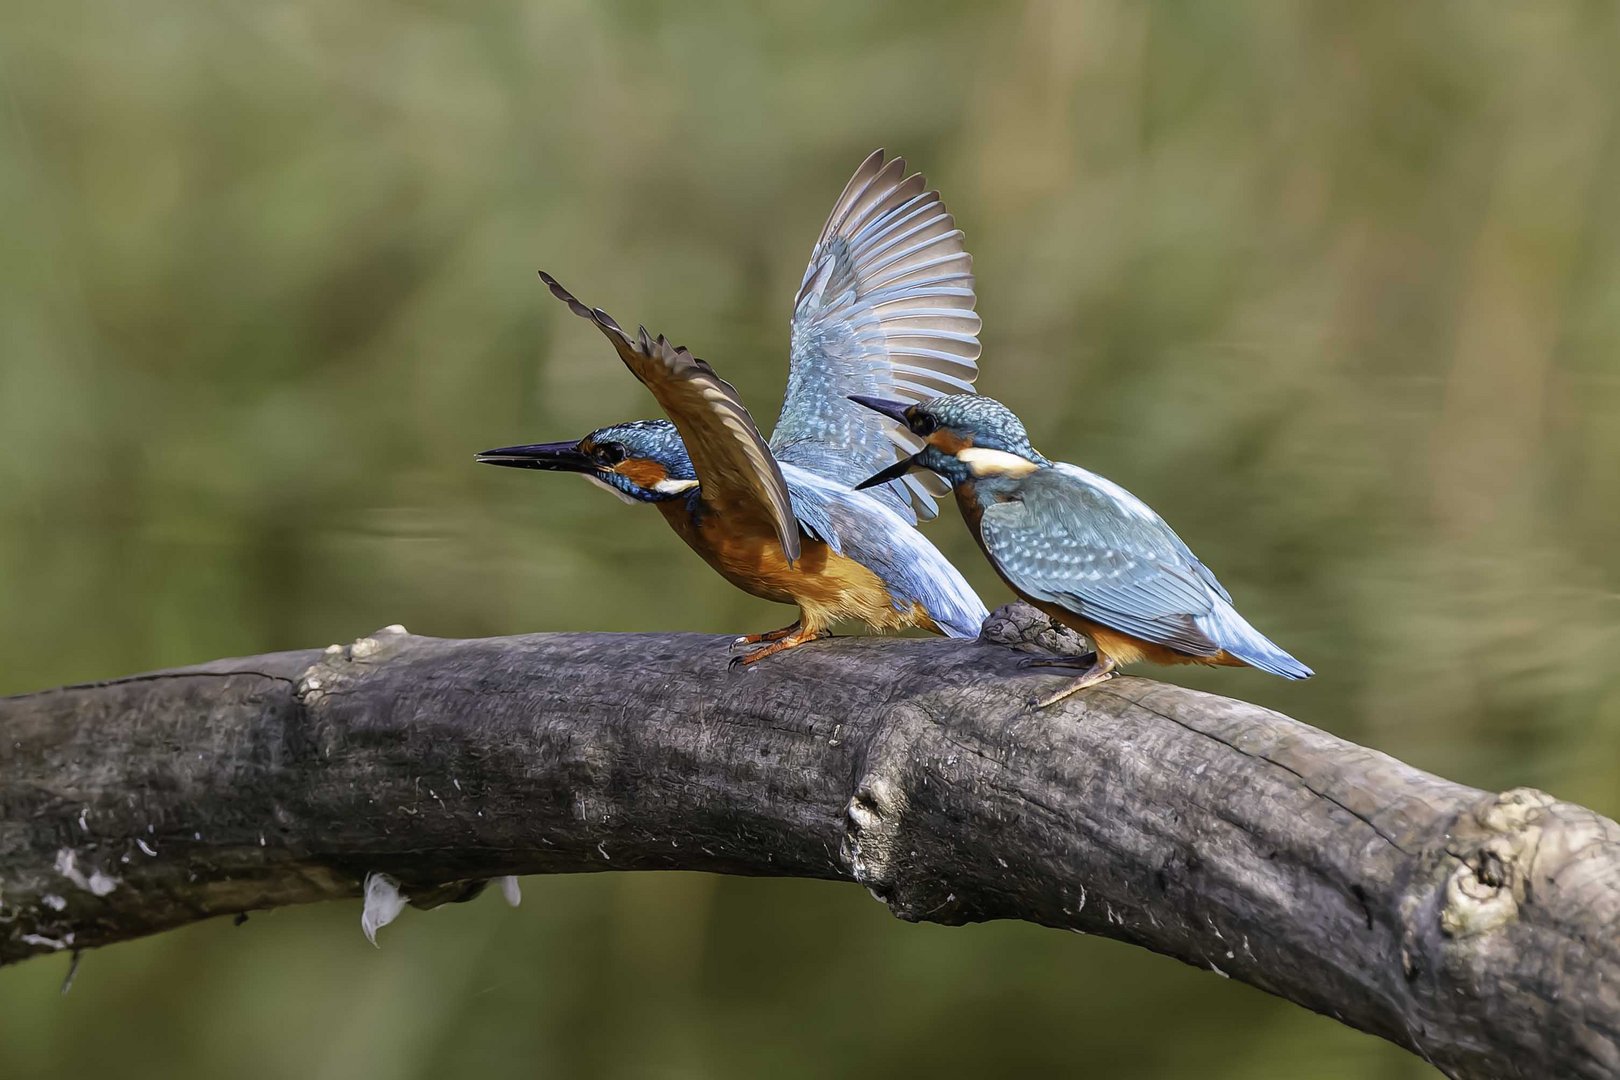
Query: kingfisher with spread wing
885, 309
1077, 546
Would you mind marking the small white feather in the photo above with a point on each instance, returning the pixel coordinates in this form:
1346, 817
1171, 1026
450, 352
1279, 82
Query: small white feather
384, 902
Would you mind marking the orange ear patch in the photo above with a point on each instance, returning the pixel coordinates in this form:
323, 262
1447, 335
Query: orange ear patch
947, 441
643, 472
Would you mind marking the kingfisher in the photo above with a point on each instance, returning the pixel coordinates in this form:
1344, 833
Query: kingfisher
886, 308
1077, 546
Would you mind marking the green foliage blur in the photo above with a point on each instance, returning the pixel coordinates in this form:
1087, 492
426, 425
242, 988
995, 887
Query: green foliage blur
1335, 287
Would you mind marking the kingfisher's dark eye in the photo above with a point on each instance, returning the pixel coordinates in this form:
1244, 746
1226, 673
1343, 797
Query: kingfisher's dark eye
921, 423
608, 453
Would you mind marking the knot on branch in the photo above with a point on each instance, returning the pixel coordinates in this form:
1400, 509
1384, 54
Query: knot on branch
1485, 890
1028, 629
336, 665
872, 834
882, 846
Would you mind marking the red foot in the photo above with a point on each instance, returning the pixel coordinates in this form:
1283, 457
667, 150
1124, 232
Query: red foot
769, 635
796, 636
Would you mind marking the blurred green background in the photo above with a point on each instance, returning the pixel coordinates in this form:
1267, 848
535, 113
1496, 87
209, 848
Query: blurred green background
1334, 287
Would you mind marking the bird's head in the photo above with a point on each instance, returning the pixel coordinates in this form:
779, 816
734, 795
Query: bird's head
642, 461
966, 437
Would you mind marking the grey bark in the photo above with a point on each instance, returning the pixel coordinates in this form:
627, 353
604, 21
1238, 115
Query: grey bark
1475, 929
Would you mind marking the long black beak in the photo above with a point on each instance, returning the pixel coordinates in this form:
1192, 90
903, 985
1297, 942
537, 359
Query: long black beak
894, 410
893, 472
551, 456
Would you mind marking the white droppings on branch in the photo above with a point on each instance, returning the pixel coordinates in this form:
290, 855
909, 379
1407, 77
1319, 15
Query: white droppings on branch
384, 902
57, 944
97, 884
511, 890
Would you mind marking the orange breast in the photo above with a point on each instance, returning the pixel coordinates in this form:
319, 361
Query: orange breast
827, 587
1123, 648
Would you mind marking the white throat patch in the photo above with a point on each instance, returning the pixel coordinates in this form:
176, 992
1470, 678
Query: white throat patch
605, 486
982, 461
665, 486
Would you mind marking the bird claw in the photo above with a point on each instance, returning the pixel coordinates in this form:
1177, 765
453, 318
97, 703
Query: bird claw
1084, 682
766, 638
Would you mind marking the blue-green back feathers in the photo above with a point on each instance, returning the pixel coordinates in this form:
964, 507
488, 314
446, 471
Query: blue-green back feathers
1068, 541
1071, 538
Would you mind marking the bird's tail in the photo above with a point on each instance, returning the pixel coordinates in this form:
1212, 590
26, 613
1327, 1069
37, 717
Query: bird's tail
1234, 634
961, 619
914, 571
923, 575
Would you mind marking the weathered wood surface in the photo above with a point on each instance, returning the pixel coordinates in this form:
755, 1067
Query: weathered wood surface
1480, 930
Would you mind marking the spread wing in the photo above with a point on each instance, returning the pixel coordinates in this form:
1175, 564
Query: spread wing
886, 310
736, 472
1076, 540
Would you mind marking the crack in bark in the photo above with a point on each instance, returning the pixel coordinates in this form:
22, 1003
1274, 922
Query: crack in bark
1141, 703
152, 676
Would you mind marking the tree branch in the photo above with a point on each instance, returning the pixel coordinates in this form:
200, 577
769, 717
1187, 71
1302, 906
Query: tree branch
1475, 929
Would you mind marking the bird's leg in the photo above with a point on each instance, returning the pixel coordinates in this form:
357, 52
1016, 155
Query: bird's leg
769, 635
1100, 671
1084, 660
797, 635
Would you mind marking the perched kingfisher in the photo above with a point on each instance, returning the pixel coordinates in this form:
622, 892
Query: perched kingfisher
885, 308
1081, 548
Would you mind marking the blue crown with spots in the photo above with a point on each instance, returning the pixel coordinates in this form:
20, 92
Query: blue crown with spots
655, 440
985, 420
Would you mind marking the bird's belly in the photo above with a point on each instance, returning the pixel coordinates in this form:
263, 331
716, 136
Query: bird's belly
827, 587
1124, 648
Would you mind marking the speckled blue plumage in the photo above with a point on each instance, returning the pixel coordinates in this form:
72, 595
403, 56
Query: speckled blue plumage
885, 307
1068, 537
